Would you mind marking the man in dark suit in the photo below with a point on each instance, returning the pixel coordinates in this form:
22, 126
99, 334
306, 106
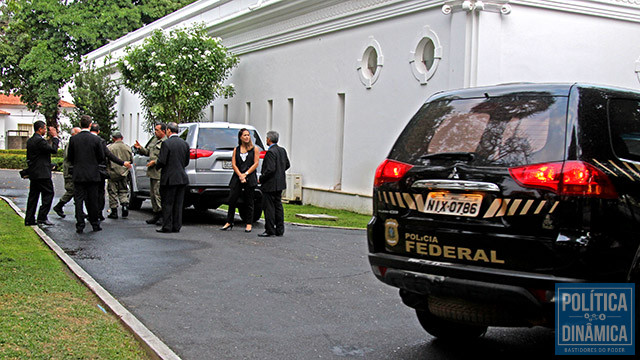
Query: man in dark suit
109, 156
39, 169
85, 154
173, 158
273, 181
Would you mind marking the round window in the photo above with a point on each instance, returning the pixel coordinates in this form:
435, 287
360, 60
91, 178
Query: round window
370, 64
426, 56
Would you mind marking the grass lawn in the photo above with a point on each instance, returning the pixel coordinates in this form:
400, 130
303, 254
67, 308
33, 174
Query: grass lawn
345, 218
44, 312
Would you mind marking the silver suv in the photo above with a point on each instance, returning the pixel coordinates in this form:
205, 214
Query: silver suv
210, 170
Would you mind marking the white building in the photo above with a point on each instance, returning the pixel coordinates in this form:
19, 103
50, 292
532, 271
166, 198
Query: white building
16, 121
340, 79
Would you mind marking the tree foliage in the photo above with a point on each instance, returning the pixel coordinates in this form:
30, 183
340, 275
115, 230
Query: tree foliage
43, 40
177, 74
94, 93
151, 10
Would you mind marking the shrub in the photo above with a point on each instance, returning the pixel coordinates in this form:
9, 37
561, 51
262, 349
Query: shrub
19, 161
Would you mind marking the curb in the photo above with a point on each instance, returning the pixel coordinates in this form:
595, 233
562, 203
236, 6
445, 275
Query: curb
149, 341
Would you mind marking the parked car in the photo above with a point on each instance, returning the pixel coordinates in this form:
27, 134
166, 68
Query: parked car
490, 196
209, 170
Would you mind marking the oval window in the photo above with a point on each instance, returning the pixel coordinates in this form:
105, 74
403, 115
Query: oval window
370, 64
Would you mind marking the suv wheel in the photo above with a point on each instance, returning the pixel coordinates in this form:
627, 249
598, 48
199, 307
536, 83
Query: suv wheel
135, 203
448, 330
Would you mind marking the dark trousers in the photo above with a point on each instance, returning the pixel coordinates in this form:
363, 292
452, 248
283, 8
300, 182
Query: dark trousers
172, 202
86, 194
101, 200
39, 188
273, 212
247, 198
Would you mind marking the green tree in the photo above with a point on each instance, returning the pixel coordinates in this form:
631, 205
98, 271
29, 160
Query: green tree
151, 10
42, 42
177, 74
94, 93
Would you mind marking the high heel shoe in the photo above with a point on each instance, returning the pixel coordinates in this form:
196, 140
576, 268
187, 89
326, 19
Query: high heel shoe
247, 230
228, 227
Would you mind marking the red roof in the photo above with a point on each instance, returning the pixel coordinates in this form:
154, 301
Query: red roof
15, 100
2, 112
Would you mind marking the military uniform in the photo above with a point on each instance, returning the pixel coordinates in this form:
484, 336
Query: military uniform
153, 150
117, 187
68, 186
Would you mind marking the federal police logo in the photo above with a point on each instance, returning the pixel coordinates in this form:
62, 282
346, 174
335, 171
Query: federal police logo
595, 319
391, 232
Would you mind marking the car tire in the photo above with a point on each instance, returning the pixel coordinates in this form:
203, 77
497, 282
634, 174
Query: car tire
135, 203
448, 330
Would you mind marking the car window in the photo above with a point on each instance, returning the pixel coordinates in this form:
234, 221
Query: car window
499, 131
221, 139
624, 125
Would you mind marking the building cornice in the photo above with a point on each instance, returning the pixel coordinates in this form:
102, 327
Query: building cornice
269, 23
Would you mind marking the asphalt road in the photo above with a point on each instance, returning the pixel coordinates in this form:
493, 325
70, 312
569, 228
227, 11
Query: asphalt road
210, 294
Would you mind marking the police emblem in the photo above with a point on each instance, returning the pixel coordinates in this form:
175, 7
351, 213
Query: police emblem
391, 232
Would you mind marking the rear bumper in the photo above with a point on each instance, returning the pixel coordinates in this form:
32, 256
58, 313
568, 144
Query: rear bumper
509, 293
213, 194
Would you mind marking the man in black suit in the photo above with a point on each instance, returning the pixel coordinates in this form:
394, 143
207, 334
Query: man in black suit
39, 169
173, 158
273, 181
109, 156
85, 154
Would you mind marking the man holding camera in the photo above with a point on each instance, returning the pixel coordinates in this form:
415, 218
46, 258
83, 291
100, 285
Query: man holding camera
39, 153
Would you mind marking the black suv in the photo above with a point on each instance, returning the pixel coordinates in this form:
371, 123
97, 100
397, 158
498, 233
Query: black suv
491, 196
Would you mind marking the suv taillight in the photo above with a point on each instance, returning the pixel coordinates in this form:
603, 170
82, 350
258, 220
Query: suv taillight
576, 178
198, 153
390, 171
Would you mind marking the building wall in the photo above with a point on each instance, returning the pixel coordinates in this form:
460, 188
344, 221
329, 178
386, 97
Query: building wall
298, 69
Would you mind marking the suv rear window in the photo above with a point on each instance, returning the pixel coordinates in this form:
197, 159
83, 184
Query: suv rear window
624, 122
223, 139
505, 131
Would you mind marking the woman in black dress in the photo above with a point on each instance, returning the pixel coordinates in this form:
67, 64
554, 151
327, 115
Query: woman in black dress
244, 180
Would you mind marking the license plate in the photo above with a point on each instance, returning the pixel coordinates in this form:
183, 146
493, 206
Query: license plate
443, 203
227, 165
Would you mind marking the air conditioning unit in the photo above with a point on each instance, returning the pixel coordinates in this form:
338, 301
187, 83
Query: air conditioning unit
293, 192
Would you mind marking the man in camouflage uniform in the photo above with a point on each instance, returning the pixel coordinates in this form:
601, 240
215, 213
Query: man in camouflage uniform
153, 150
68, 181
117, 187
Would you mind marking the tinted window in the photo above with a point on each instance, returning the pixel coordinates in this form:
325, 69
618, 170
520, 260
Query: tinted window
624, 123
222, 139
499, 131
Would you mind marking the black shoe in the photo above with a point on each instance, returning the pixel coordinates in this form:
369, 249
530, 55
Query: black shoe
161, 230
97, 228
58, 210
160, 221
265, 234
113, 214
228, 227
125, 211
30, 223
45, 222
153, 220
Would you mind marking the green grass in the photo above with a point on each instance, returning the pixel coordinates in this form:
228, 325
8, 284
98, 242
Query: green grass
345, 218
44, 312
